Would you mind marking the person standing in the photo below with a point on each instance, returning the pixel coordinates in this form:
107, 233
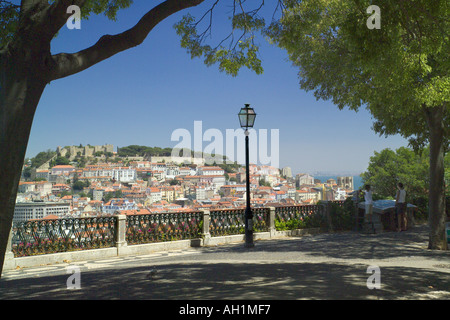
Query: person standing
400, 205
368, 203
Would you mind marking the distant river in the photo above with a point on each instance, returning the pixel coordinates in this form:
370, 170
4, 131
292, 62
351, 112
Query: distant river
357, 180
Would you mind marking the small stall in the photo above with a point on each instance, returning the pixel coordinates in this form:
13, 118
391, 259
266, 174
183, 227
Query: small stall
384, 217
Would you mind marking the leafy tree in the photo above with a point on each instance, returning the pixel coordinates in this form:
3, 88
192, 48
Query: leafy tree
27, 173
64, 193
42, 157
81, 162
230, 167
264, 183
80, 185
27, 66
398, 72
60, 161
110, 195
142, 151
387, 168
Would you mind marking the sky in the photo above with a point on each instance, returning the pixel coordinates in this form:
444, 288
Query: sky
142, 95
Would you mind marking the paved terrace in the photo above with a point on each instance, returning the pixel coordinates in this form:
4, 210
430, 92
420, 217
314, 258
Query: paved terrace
323, 266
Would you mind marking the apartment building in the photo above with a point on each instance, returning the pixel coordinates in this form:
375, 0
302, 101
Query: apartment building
303, 179
115, 205
62, 170
121, 174
37, 210
154, 195
210, 171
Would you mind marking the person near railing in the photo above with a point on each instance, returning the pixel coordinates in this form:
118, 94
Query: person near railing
400, 205
368, 203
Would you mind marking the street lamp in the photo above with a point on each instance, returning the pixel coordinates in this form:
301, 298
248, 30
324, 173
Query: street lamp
247, 118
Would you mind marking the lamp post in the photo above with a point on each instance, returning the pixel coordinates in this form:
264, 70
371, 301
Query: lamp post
247, 118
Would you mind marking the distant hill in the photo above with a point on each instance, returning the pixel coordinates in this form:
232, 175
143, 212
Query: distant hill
143, 151
128, 151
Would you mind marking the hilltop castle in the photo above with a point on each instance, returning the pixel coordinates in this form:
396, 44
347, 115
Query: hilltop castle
87, 151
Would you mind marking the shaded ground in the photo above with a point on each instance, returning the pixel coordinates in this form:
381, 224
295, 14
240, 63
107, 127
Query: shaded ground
327, 266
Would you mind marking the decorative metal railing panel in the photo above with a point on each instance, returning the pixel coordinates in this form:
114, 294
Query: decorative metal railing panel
339, 203
61, 235
163, 227
294, 217
68, 234
227, 222
261, 219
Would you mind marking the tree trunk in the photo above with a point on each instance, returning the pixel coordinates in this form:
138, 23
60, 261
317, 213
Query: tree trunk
436, 214
21, 86
26, 66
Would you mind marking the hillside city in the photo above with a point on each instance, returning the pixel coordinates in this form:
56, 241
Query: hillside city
96, 181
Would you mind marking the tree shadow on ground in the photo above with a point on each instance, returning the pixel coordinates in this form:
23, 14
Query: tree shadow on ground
274, 269
253, 281
353, 245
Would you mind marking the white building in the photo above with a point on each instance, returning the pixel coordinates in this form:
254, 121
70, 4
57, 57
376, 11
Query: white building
303, 179
97, 194
287, 172
124, 174
62, 170
263, 170
40, 174
158, 166
120, 174
210, 171
154, 194
200, 193
43, 187
119, 205
172, 171
307, 194
37, 210
345, 182
340, 194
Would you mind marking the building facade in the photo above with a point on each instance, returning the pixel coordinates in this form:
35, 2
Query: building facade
303, 179
345, 182
37, 210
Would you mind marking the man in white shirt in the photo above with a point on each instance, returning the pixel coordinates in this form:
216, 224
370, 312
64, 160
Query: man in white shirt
368, 203
400, 204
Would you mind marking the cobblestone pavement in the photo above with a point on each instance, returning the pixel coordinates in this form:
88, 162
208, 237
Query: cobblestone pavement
326, 266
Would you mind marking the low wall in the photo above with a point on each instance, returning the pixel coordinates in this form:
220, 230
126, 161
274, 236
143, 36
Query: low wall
142, 249
210, 232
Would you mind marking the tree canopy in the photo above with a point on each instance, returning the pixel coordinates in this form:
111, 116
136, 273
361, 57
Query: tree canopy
11, 10
397, 72
41, 158
27, 66
134, 150
388, 167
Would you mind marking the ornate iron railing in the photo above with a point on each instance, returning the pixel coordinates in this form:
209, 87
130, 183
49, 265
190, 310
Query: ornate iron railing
339, 203
60, 235
163, 227
232, 221
261, 219
294, 217
68, 234
226, 222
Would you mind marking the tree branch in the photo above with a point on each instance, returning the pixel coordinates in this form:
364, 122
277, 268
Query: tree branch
107, 46
56, 16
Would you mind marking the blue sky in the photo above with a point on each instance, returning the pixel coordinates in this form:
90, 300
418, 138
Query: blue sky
142, 95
